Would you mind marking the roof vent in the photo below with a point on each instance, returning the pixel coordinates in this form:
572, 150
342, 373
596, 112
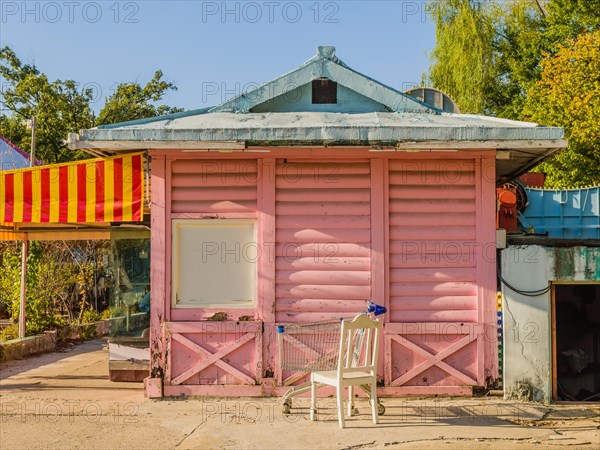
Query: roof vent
436, 98
324, 91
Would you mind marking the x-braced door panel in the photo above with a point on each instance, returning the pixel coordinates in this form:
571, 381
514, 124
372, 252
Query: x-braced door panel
217, 353
432, 354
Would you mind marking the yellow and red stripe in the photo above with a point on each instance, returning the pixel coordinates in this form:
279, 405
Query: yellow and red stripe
98, 190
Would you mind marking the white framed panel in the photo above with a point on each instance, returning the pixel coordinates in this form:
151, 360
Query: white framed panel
214, 263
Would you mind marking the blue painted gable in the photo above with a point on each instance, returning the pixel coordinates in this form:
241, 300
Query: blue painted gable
358, 93
300, 100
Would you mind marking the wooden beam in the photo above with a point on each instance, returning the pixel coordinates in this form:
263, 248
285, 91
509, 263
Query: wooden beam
158, 265
131, 145
127, 146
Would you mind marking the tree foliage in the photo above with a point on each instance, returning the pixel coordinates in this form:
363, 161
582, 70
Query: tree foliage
132, 101
62, 107
59, 107
515, 42
568, 95
463, 51
60, 281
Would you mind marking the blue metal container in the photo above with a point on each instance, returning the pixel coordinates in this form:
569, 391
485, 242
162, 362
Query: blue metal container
569, 214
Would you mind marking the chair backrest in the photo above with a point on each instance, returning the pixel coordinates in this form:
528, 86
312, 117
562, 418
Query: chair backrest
359, 345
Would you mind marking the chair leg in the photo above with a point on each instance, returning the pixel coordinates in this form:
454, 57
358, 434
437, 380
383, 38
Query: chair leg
313, 402
350, 400
374, 409
340, 401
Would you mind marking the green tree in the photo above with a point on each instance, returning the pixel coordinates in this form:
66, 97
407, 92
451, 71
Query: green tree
568, 95
518, 38
461, 58
59, 107
60, 281
132, 101
518, 46
488, 53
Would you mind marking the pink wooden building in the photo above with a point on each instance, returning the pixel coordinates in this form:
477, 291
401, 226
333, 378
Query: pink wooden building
305, 197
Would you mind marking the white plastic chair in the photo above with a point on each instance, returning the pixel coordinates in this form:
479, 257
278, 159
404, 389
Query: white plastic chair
357, 365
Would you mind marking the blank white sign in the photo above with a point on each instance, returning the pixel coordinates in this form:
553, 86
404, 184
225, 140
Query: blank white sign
214, 263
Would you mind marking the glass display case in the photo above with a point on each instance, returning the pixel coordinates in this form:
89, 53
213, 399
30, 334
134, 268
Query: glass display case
129, 305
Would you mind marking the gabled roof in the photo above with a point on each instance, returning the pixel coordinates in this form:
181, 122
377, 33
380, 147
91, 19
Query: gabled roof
325, 65
387, 118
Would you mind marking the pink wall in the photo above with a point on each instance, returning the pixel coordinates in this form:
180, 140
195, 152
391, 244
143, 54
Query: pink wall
412, 231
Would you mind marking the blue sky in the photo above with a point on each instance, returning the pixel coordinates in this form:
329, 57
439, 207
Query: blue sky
213, 49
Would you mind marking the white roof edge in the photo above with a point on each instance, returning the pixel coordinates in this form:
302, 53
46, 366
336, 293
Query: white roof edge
329, 133
495, 119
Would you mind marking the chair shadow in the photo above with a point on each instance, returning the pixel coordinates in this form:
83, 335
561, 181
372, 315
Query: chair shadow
396, 416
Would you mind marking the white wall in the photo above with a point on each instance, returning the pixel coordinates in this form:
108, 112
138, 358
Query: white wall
527, 320
527, 325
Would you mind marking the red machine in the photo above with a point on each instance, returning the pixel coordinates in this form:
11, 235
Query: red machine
511, 199
506, 217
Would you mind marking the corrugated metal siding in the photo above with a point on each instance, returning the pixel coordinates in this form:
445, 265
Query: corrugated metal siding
323, 236
432, 241
213, 186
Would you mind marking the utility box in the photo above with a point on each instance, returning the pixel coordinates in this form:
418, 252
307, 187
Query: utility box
501, 238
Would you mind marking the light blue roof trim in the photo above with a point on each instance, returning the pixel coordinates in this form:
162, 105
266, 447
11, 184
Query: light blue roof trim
166, 117
325, 65
331, 127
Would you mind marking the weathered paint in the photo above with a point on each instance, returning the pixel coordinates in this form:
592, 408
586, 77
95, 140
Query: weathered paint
342, 230
440, 273
527, 330
223, 353
158, 269
573, 263
332, 128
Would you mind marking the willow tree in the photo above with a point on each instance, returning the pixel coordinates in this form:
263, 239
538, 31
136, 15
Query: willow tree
462, 58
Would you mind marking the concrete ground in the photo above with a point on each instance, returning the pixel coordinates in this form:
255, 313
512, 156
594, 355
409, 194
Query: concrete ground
64, 400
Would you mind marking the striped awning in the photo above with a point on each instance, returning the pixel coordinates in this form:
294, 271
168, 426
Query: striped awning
97, 190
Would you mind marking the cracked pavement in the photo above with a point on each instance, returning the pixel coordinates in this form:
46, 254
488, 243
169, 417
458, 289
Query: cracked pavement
64, 400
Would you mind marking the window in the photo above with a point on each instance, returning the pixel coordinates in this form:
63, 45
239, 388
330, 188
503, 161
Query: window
324, 91
214, 263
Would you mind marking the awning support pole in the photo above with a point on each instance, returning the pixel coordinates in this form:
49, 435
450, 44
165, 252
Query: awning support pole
24, 253
25, 249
